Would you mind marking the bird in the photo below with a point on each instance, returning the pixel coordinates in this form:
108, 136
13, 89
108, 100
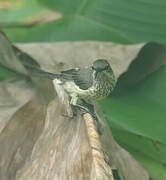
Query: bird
89, 84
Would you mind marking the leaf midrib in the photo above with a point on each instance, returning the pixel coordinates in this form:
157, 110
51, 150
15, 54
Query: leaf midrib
78, 14
109, 28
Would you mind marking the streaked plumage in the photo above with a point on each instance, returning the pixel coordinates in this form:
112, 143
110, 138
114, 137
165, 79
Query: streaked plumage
88, 83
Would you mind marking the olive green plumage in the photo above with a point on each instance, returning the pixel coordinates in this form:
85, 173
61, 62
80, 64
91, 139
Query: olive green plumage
103, 85
89, 83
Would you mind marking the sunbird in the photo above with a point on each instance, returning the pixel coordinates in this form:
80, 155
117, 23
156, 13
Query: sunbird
89, 84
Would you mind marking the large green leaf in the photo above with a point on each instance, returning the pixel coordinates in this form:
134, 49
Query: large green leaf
136, 111
155, 169
7, 56
69, 28
21, 12
108, 20
5, 73
139, 20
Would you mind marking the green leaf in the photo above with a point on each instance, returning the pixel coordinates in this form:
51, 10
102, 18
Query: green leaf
21, 13
139, 20
9, 60
136, 110
108, 20
155, 169
66, 7
69, 28
5, 73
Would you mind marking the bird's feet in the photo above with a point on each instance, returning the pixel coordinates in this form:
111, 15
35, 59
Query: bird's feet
87, 108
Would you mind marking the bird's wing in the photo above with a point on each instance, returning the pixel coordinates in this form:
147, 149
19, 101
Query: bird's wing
82, 77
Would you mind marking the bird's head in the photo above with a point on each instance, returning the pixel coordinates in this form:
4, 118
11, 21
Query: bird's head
101, 65
102, 71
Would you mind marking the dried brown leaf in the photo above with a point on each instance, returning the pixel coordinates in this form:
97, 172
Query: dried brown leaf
37, 141
8, 57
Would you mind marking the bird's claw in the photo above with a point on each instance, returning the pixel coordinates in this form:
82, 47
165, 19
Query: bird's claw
86, 110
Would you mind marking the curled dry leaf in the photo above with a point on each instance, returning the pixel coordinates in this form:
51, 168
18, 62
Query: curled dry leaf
149, 59
37, 142
54, 57
7, 56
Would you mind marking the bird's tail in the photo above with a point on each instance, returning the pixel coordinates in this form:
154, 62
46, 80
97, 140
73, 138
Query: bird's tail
45, 74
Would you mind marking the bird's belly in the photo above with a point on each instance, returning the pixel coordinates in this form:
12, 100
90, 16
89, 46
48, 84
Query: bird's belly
101, 90
71, 88
96, 92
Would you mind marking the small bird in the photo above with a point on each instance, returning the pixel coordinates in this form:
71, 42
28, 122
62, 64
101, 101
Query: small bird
88, 83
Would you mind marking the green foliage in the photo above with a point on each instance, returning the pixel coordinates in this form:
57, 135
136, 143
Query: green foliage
21, 13
66, 29
139, 20
120, 21
5, 74
65, 7
136, 110
155, 169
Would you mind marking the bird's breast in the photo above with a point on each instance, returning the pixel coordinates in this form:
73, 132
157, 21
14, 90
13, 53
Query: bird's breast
102, 86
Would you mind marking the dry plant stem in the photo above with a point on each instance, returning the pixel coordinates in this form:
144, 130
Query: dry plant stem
98, 157
64, 99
